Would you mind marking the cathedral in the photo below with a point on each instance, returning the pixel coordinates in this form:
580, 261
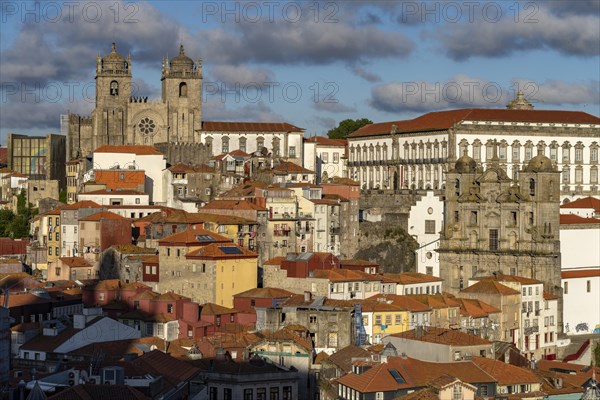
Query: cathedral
173, 121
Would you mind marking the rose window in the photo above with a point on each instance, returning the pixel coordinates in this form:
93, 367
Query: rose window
147, 126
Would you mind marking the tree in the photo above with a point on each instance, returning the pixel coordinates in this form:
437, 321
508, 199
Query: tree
62, 196
596, 358
346, 127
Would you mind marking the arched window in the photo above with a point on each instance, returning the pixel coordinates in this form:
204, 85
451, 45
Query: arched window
532, 187
457, 187
225, 144
183, 89
114, 88
208, 141
260, 143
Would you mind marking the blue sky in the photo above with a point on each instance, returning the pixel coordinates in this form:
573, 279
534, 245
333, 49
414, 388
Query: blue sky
315, 62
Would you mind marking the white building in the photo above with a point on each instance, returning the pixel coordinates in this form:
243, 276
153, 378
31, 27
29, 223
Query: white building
578, 237
108, 197
282, 140
347, 284
146, 158
414, 154
415, 283
327, 157
587, 207
425, 221
581, 305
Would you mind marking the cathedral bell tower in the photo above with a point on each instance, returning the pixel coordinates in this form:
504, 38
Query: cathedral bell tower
182, 93
113, 90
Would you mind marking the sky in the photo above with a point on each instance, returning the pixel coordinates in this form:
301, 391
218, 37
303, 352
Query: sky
309, 63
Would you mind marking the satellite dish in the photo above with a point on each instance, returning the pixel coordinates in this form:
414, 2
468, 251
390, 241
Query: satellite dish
153, 347
83, 376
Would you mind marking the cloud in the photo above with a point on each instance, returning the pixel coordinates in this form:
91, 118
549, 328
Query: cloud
569, 7
233, 76
576, 35
305, 41
333, 107
326, 123
463, 91
366, 75
422, 96
555, 92
215, 110
65, 50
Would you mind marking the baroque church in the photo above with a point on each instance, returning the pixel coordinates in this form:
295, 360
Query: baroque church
497, 224
172, 123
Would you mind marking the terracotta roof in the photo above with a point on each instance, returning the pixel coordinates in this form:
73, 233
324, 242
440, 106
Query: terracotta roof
343, 357
325, 141
449, 337
406, 302
436, 300
580, 273
442, 120
379, 306
288, 167
415, 373
232, 205
99, 392
489, 286
128, 149
214, 126
336, 180
285, 334
572, 219
169, 296
125, 192
171, 369
81, 204
275, 261
190, 237
221, 251
103, 215
586, 202
185, 168
265, 293
506, 374
74, 262
550, 296
407, 278
215, 309
476, 308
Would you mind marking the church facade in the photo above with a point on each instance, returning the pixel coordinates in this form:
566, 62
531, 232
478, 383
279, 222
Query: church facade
175, 118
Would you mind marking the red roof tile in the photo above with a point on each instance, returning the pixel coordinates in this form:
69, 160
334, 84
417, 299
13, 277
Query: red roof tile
128, 149
288, 167
265, 293
102, 215
214, 126
232, 205
506, 374
215, 251
190, 237
443, 336
489, 286
586, 202
75, 262
80, 205
572, 219
581, 273
442, 120
407, 278
324, 141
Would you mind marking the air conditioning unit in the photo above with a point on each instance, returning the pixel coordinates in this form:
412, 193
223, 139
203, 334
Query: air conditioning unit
94, 380
73, 378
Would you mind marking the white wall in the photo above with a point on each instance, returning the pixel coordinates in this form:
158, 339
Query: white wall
577, 246
430, 207
126, 199
580, 306
105, 330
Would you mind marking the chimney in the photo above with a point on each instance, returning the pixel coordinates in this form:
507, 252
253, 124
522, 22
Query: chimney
307, 296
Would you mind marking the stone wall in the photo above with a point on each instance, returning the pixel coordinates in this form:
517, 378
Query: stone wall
185, 153
387, 244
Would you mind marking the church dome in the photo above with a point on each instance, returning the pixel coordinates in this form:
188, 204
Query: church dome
182, 62
540, 163
465, 165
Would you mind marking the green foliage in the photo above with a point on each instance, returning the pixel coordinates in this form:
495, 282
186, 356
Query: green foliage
17, 225
62, 196
596, 359
346, 127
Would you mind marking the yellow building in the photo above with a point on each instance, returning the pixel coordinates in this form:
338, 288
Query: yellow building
207, 267
381, 318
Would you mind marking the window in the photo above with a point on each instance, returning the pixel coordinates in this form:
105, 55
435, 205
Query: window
377, 319
553, 153
457, 392
398, 319
565, 153
225, 145
566, 288
287, 393
579, 175
227, 394
430, 226
593, 155
170, 308
212, 393
325, 158
493, 239
566, 175
243, 144
578, 154
589, 286
594, 174
292, 151
312, 319
513, 218
473, 219
388, 320
248, 394
261, 394
336, 156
